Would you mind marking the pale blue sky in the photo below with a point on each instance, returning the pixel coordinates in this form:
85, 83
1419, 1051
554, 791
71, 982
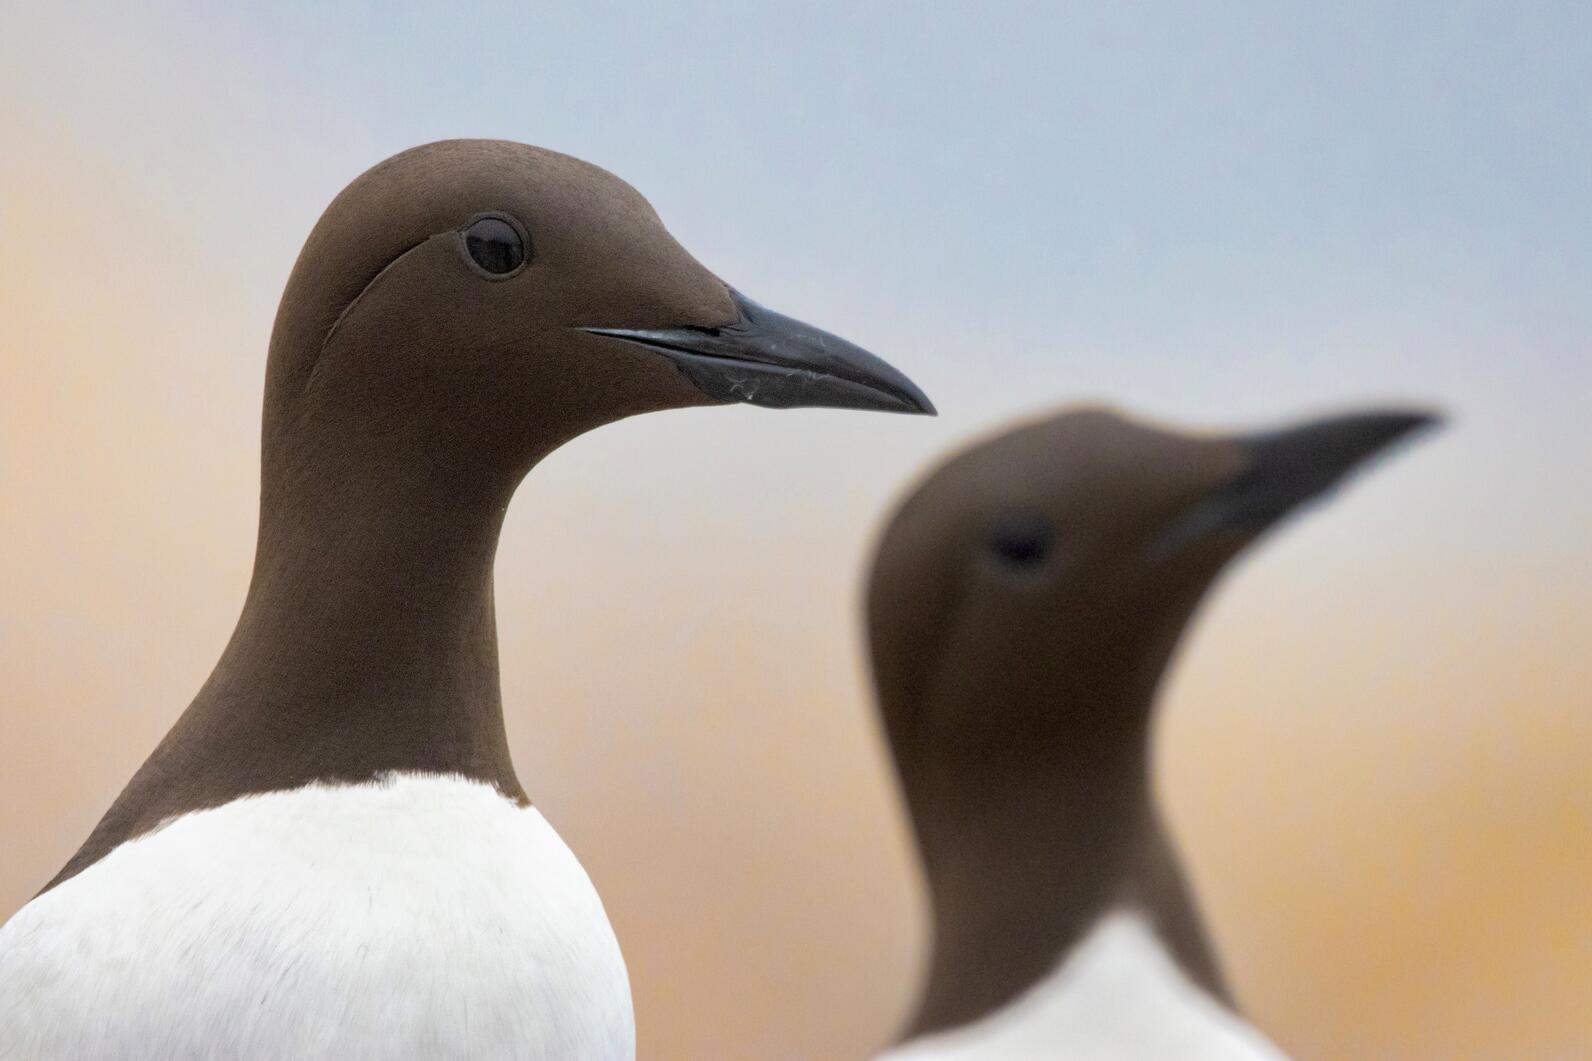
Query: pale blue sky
1210, 212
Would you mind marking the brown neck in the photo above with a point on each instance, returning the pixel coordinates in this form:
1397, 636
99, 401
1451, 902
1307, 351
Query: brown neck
367, 644
1016, 882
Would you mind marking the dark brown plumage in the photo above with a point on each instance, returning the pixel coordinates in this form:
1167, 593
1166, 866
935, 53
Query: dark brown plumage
1023, 605
459, 311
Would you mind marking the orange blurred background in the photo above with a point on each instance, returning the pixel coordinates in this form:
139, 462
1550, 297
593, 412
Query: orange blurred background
1376, 742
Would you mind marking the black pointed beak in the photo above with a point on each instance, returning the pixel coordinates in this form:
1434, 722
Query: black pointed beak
1291, 468
766, 358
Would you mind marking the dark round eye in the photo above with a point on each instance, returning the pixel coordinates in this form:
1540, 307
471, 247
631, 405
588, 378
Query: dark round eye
495, 245
1022, 541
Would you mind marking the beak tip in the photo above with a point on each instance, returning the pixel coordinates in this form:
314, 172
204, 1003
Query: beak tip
1383, 429
1417, 419
918, 404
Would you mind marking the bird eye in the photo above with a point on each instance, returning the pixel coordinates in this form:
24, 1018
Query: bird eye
495, 245
1021, 542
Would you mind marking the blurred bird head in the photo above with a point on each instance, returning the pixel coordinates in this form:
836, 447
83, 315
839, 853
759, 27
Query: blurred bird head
1026, 597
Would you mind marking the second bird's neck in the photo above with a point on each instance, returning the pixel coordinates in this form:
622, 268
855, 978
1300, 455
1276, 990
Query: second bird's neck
1016, 885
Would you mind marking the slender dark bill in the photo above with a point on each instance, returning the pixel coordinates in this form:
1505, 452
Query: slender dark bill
766, 358
1289, 468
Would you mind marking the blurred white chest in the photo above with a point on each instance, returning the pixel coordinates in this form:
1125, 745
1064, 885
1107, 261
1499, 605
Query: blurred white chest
418, 916
1119, 996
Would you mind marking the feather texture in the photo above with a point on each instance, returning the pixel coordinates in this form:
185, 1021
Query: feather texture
419, 916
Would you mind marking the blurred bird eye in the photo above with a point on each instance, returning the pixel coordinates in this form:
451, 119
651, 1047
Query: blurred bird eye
494, 245
1021, 542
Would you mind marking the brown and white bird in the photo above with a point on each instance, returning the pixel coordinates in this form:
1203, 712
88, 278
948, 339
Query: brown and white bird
330, 854
1023, 606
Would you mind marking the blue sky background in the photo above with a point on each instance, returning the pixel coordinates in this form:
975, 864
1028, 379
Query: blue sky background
1207, 211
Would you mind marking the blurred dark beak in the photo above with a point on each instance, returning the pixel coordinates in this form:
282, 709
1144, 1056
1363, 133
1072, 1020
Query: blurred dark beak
1289, 469
766, 358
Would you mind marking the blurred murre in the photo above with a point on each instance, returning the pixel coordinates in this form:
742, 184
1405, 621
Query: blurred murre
1024, 602
330, 855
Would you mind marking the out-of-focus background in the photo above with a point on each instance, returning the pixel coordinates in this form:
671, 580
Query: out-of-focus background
1378, 743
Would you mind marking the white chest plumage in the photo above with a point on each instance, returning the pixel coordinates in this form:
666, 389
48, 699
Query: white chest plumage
1118, 997
415, 917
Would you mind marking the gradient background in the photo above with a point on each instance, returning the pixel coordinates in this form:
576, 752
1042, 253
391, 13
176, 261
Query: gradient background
1376, 744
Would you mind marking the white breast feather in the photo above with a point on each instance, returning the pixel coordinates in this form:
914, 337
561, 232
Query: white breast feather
1118, 997
415, 917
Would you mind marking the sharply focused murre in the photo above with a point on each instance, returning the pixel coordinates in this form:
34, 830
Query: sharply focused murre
330, 854
1023, 605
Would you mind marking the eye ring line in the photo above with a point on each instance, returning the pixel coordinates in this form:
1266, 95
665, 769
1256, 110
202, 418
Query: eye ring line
525, 248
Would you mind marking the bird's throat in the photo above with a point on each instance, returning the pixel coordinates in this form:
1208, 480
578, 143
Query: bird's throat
1017, 884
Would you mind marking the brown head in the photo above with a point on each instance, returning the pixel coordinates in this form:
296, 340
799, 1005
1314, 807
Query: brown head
466, 306
1023, 605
